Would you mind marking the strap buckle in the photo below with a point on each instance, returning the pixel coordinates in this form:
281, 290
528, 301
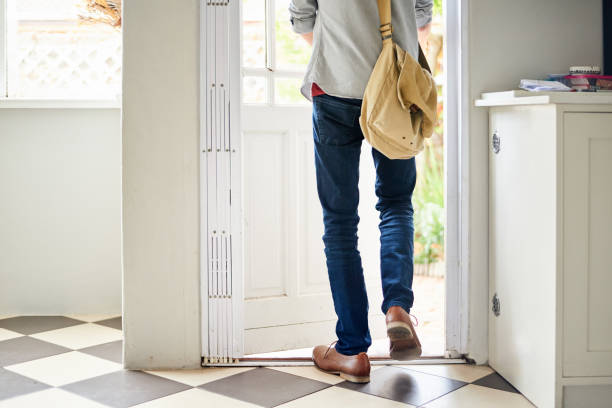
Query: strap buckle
385, 30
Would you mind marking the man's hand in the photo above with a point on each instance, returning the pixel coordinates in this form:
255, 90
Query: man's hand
424, 35
307, 37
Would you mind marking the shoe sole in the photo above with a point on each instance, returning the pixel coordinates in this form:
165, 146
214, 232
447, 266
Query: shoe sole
400, 332
347, 377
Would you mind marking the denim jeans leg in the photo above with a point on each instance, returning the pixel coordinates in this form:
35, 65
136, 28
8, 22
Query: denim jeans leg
337, 147
395, 181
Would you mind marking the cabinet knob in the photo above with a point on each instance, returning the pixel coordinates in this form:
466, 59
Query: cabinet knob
495, 142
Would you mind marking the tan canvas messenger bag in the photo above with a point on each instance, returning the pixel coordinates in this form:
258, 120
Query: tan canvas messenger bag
400, 101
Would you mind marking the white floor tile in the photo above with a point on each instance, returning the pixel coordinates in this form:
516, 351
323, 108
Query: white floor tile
8, 334
311, 372
93, 317
65, 368
475, 396
50, 398
196, 398
459, 372
200, 376
80, 336
341, 397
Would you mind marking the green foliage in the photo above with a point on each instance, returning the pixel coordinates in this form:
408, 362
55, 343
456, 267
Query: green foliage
437, 8
291, 49
428, 201
288, 91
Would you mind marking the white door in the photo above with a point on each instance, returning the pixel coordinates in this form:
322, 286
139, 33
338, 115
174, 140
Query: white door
288, 302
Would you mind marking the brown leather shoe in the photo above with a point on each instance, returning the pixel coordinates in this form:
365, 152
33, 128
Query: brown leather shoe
405, 344
352, 368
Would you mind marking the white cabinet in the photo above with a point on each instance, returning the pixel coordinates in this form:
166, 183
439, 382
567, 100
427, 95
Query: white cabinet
550, 245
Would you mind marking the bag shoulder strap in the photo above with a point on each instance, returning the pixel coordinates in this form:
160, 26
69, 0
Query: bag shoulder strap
384, 16
423, 60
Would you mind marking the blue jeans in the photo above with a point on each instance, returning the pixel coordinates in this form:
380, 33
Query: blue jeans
337, 147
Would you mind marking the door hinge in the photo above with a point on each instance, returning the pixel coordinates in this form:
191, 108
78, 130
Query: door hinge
495, 305
496, 142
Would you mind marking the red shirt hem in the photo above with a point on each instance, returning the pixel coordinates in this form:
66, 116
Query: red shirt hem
315, 90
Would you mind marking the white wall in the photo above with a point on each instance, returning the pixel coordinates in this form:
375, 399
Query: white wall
161, 183
60, 202
510, 40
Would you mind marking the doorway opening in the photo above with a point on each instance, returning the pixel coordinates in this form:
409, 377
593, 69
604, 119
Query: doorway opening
288, 304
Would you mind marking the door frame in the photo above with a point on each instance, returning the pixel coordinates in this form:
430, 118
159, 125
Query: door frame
456, 143
457, 193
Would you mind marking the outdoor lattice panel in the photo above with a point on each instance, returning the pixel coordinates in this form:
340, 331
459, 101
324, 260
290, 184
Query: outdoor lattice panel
56, 59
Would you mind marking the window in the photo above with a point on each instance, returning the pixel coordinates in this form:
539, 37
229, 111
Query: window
50, 52
274, 58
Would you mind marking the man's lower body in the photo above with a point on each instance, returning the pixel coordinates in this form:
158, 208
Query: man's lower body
337, 141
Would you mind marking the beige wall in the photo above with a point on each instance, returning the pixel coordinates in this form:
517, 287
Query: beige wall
60, 210
161, 183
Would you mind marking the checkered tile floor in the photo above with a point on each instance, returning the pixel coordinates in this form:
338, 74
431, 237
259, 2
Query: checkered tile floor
62, 361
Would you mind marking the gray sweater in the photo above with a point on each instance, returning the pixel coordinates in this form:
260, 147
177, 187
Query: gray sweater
347, 41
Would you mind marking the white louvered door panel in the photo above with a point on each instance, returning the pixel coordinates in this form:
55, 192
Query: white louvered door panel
220, 185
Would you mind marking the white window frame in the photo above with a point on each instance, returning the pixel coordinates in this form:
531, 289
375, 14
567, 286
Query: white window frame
269, 72
3, 48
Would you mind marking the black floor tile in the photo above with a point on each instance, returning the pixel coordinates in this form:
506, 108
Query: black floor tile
114, 323
37, 324
404, 385
22, 349
123, 389
109, 351
265, 387
496, 381
13, 385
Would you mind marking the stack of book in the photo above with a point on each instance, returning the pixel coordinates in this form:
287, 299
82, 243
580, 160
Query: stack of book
584, 79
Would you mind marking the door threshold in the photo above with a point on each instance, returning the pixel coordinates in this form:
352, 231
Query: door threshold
307, 361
